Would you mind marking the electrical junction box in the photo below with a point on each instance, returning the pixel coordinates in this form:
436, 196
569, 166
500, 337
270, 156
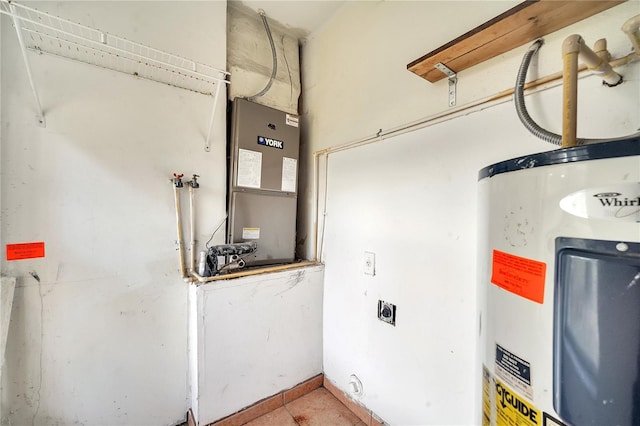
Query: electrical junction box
263, 182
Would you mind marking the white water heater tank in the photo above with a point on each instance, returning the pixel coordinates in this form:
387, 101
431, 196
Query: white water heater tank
559, 288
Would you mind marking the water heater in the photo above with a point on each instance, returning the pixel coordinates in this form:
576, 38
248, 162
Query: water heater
559, 287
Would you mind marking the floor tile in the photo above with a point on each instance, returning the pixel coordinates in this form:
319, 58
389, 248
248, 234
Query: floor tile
279, 417
320, 408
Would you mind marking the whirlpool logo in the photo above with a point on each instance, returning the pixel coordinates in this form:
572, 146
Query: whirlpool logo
614, 199
619, 202
273, 143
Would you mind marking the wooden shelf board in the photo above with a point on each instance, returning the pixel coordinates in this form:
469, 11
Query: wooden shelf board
519, 25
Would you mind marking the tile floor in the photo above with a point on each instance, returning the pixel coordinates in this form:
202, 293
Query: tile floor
317, 408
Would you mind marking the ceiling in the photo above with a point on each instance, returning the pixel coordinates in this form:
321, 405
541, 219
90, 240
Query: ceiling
303, 17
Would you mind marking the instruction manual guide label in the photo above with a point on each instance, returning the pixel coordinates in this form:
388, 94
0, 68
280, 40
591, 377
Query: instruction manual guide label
249, 168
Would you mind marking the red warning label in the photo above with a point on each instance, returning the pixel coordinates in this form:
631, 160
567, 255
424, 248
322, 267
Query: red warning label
519, 275
25, 251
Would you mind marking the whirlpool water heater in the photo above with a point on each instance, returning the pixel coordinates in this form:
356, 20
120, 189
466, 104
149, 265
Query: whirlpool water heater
559, 287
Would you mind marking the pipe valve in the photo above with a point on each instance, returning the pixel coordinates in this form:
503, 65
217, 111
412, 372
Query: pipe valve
194, 182
177, 180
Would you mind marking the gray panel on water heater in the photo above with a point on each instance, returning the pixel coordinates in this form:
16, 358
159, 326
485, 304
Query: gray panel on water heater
270, 206
597, 332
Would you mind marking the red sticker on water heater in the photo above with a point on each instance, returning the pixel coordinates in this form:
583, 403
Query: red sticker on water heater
519, 275
25, 251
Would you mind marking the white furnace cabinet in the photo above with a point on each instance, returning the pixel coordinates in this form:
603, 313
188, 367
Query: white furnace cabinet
263, 183
559, 288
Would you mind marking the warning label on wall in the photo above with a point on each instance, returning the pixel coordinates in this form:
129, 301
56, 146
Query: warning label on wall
514, 370
519, 275
513, 410
25, 251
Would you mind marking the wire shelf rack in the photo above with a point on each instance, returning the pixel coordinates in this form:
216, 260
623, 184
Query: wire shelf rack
46, 33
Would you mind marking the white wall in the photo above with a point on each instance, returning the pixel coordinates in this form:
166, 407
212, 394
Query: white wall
257, 336
412, 199
101, 337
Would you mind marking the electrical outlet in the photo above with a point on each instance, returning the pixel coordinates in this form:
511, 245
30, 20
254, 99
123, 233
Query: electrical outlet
387, 312
369, 263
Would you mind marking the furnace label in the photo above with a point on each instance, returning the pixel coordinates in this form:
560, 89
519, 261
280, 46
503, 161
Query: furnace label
514, 410
250, 233
289, 174
514, 370
249, 168
292, 120
519, 275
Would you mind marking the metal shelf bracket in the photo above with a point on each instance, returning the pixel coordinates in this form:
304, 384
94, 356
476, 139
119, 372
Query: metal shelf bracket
23, 48
453, 81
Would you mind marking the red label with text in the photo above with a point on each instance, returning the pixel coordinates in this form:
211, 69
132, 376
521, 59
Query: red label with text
25, 251
519, 275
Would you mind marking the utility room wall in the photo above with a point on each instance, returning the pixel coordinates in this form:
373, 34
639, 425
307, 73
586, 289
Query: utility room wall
411, 199
98, 333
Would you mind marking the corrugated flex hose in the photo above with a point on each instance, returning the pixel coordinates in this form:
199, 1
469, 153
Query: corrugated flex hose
521, 107
524, 116
274, 70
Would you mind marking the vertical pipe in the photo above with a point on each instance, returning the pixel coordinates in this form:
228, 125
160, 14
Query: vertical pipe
570, 50
192, 245
183, 267
570, 98
316, 199
23, 48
